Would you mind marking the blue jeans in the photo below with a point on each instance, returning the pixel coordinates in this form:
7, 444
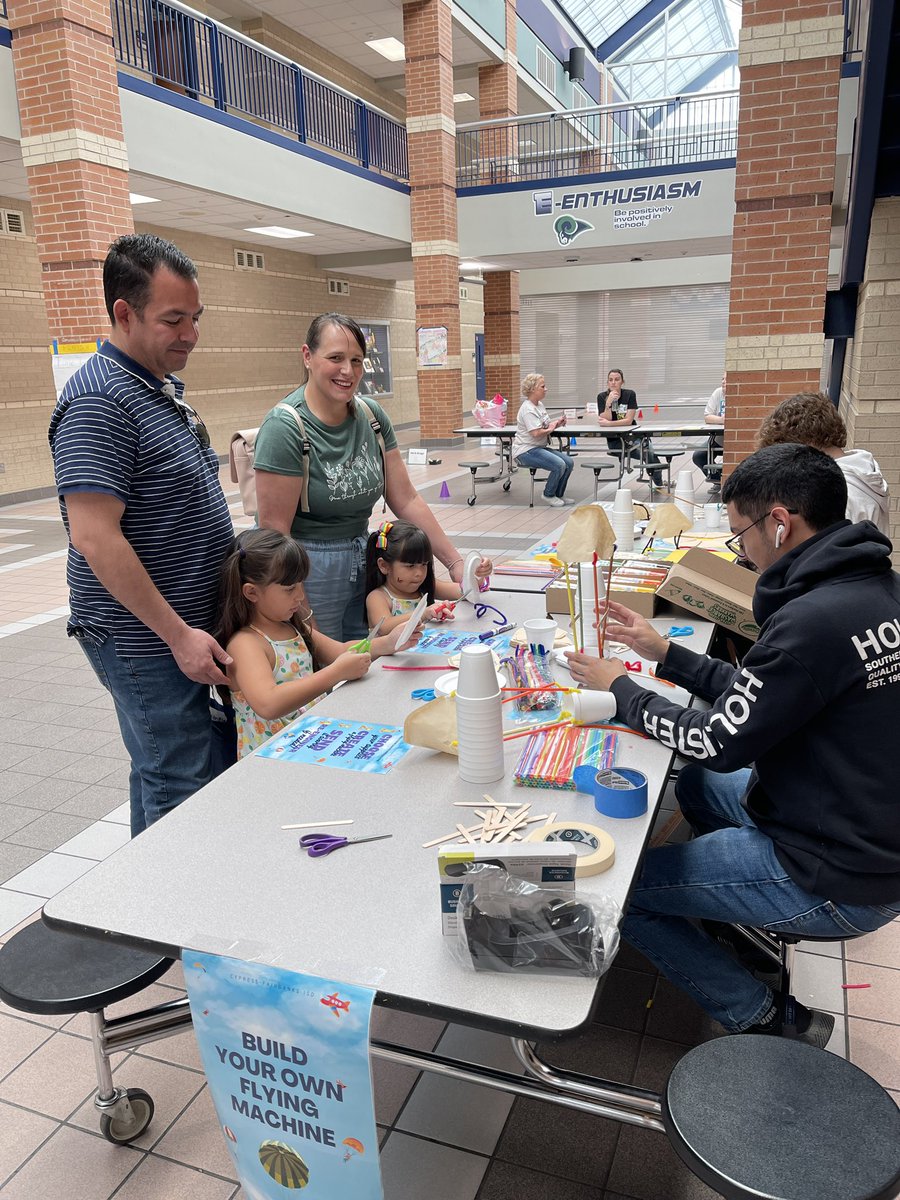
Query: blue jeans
165, 724
728, 873
555, 463
336, 587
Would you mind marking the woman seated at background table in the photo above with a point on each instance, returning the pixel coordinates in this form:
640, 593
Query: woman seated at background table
811, 419
530, 448
347, 475
619, 403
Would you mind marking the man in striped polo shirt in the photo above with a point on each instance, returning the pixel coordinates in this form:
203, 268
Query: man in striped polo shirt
147, 521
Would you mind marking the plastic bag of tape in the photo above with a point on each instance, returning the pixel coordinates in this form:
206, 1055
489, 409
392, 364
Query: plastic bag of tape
515, 927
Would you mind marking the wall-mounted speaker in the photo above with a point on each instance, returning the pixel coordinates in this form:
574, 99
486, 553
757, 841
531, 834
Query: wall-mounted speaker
575, 64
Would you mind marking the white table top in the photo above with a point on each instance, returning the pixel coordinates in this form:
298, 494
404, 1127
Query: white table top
219, 875
590, 427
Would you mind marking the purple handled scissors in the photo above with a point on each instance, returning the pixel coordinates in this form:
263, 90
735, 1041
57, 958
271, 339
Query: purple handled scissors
317, 845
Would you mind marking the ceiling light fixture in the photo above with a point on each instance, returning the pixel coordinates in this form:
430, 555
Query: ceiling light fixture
135, 198
276, 231
388, 48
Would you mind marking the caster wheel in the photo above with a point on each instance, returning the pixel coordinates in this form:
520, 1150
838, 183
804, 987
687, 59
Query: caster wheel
470, 501
124, 1129
507, 485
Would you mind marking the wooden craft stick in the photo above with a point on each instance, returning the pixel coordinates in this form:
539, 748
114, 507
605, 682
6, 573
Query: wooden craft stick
316, 824
448, 837
667, 830
596, 589
474, 804
486, 833
551, 819
465, 835
571, 605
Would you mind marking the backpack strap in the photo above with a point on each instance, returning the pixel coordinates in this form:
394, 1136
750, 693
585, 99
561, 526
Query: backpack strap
376, 429
305, 447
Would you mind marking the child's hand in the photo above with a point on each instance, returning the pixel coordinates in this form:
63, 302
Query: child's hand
351, 665
440, 611
387, 644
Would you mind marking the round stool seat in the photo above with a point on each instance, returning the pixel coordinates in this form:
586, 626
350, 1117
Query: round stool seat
598, 464
773, 1119
473, 466
44, 971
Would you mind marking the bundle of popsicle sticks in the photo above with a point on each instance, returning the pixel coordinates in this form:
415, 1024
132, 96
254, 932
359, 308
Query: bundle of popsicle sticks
496, 823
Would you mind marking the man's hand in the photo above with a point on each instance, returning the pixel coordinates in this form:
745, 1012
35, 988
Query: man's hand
197, 654
637, 633
590, 672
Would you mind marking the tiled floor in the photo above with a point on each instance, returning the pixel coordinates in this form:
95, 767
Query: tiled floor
63, 779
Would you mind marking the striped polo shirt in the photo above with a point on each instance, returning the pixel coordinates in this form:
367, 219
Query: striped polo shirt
115, 430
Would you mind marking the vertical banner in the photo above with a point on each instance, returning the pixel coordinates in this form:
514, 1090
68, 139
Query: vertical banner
287, 1060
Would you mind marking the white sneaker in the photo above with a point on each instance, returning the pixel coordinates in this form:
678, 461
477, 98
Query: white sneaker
566, 500
554, 502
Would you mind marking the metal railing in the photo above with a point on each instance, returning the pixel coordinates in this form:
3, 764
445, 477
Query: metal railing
191, 54
671, 131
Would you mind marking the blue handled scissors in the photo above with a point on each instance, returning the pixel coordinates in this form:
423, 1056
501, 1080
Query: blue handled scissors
317, 845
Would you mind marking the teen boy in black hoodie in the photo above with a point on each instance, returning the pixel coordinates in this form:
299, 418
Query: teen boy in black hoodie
807, 842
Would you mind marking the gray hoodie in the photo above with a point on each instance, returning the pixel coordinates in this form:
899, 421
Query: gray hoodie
867, 492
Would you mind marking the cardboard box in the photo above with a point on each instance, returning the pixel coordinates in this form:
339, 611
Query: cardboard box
707, 586
643, 602
549, 863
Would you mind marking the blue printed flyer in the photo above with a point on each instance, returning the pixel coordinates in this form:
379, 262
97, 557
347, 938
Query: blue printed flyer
446, 641
287, 1060
348, 745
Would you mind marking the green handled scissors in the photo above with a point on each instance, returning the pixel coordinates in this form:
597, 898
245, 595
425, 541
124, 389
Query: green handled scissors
365, 645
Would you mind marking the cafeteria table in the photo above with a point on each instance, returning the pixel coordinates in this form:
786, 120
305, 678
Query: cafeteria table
219, 875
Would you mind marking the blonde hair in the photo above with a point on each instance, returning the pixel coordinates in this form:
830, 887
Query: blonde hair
530, 382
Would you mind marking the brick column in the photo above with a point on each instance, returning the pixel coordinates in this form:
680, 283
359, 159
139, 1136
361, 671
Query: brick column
790, 60
431, 131
871, 384
498, 98
74, 153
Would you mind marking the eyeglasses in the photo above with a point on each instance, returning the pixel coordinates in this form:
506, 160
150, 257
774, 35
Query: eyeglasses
194, 422
736, 544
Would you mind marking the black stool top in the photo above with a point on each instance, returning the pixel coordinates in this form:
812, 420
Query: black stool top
44, 971
473, 466
774, 1119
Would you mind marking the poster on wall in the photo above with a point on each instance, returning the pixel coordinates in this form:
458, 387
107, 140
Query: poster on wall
287, 1060
431, 346
378, 379
68, 357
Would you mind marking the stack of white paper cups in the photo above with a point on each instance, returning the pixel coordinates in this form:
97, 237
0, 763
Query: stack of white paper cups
479, 717
684, 492
623, 519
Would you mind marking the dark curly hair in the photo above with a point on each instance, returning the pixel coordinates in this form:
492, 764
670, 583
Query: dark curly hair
808, 418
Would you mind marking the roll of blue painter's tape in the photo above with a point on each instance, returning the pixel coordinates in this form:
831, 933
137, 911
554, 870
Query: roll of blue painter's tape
629, 800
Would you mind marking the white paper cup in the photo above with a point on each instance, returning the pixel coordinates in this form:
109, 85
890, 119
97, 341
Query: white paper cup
479, 725
587, 707
477, 676
540, 632
623, 501
623, 528
711, 516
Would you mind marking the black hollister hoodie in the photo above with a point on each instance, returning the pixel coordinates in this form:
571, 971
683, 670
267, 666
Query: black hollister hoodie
814, 707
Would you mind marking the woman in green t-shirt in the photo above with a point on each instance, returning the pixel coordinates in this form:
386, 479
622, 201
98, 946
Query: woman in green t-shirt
347, 475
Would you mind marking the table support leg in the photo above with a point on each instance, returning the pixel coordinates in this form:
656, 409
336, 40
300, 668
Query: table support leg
602, 1097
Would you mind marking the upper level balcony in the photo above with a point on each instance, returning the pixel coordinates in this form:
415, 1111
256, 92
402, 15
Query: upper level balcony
674, 131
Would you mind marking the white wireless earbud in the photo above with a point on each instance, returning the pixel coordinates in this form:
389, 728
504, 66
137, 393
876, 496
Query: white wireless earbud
779, 534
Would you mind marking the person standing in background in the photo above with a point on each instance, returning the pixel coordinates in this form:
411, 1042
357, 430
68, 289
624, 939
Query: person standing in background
715, 416
812, 420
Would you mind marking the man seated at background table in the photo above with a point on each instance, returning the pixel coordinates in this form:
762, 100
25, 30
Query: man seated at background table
808, 842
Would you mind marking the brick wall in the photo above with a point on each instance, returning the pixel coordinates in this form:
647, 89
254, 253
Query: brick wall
790, 57
431, 133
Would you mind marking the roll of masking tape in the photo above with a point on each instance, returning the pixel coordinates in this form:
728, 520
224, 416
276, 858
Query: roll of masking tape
619, 793
601, 849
